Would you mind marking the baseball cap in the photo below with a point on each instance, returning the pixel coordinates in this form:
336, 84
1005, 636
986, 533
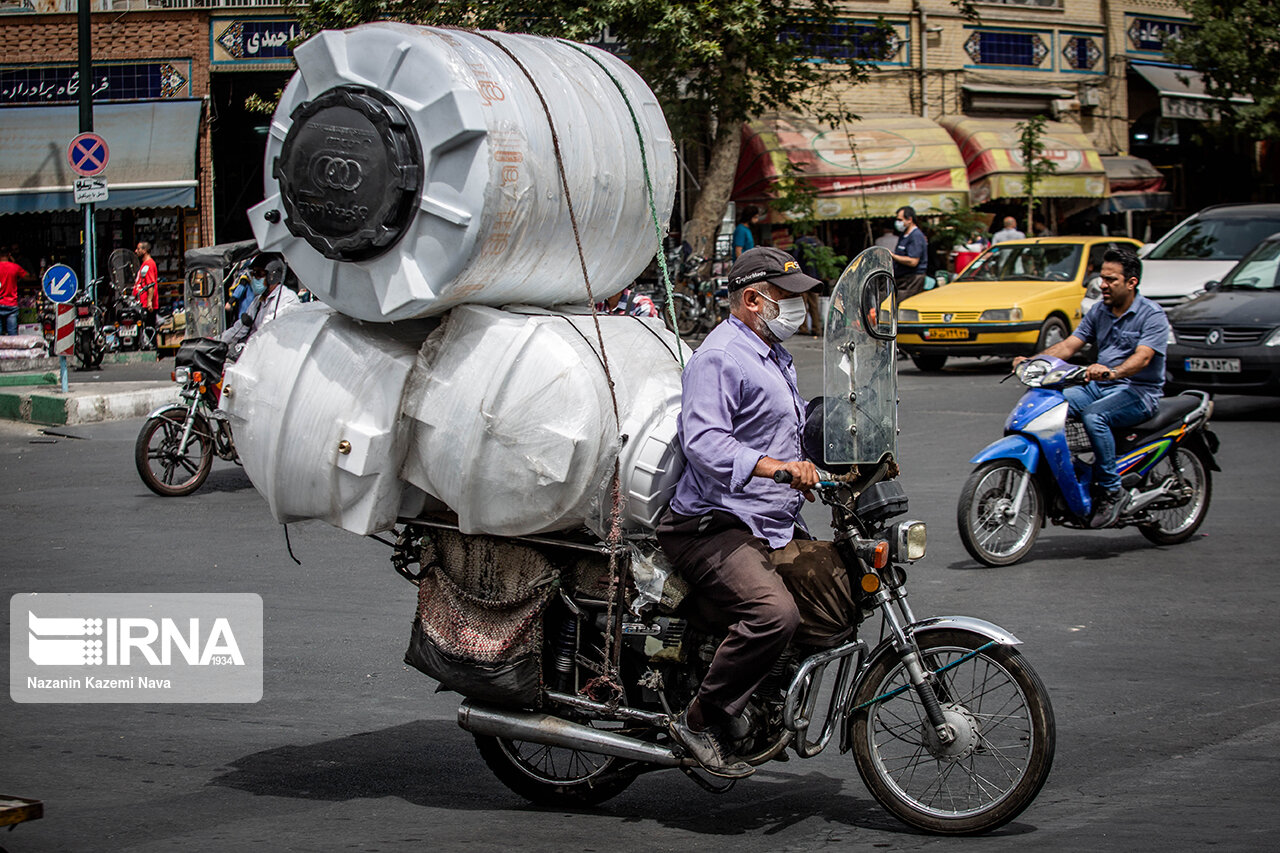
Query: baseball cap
765, 263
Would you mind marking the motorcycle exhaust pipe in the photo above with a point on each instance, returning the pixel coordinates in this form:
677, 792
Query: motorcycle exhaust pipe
535, 727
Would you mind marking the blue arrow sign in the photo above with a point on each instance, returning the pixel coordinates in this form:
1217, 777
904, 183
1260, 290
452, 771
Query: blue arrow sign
60, 283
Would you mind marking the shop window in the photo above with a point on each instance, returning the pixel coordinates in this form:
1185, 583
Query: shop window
1081, 53
1005, 47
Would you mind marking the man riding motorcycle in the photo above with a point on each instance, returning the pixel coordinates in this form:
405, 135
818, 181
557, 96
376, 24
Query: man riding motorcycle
272, 298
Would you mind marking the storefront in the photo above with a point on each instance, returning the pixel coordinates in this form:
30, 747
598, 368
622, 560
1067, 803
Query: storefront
145, 112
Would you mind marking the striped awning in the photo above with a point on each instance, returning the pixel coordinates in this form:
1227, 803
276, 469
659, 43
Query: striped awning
990, 148
867, 168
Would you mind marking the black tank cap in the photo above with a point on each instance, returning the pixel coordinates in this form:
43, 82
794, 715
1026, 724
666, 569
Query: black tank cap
349, 171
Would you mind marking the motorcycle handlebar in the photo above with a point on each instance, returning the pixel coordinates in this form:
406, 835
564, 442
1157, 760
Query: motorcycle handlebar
784, 477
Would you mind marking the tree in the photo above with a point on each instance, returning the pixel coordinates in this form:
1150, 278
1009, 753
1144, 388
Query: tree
713, 65
1031, 147
1235, 44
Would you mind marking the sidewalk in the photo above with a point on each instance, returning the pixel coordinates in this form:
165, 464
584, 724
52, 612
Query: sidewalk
113, 392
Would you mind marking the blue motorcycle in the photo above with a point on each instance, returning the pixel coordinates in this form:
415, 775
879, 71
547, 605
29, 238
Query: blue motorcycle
1043, 468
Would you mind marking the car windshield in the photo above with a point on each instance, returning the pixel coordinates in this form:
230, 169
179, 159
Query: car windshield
1038, 262
1210, 239
1258, 271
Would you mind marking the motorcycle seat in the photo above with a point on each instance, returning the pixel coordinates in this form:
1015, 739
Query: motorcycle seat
1170, 413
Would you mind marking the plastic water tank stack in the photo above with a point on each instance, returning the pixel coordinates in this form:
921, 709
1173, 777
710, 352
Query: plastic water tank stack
411, 171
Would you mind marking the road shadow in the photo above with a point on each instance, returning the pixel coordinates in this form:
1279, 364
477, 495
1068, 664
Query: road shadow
1083, 545
408, 762
231, 479
1233, 407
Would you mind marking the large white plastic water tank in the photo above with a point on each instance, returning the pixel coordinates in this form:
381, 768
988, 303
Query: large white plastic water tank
411, 169
514, 429
314, 403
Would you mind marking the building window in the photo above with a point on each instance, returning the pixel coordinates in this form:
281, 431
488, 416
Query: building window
994, 47
1081, 53
850, 41
1148, 35
1040, 4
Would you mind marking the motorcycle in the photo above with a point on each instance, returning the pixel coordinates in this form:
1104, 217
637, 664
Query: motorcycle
949, 726
128, 322
1043, 468
90, 336
175, 449
703, 302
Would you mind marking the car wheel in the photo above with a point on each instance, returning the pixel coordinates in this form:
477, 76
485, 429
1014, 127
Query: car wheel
928, 362
1052, 332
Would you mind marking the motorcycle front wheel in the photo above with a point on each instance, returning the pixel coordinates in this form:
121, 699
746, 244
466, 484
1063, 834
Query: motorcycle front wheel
554, 775
997, 529
164, 468
687, 314
1000, 714
1176, 517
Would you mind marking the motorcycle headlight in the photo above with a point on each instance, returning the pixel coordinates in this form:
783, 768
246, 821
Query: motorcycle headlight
908, 315
1273, 339
182, 375
909, 541
1032, 371
1053, 377
1001, 315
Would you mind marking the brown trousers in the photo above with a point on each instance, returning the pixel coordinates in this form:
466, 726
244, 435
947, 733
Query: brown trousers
746, 584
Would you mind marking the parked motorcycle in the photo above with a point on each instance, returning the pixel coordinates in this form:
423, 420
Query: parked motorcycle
702, 302
90, 337
175, 449
950, 728
1043, 468
128, 322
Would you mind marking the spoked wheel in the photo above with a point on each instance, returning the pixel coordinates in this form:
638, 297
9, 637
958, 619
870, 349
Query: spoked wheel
1000, 513
1000, 714
167, 470
686, 308
1176, 517
554, 775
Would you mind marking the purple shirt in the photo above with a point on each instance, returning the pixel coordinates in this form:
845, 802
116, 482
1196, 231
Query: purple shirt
739, 402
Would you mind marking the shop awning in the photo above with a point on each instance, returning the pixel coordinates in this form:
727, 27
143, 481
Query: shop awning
152, 160
1135, 185
1182, 92
990, 148
864, 169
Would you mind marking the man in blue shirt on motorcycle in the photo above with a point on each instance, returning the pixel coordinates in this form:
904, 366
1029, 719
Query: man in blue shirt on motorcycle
1125, 385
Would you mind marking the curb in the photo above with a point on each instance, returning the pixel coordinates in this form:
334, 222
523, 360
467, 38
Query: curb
104, 403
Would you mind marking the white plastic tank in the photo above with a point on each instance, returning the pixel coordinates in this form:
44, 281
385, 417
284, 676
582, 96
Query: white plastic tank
314, 403
514, 430
411, 169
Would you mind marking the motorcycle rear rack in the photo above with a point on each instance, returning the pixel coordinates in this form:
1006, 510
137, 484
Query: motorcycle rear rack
802, 695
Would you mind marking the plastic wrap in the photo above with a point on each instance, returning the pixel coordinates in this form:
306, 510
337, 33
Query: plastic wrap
314, 403
513, 427
411, 169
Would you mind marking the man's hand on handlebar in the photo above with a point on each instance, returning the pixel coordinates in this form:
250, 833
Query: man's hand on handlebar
800, 475
1099, 372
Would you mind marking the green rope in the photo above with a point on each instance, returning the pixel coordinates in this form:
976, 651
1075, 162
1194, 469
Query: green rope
648, 183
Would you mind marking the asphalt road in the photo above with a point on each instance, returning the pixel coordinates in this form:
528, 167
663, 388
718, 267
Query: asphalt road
1161, 663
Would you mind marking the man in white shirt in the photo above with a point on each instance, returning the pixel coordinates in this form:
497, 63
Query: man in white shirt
1009, 232
267, 274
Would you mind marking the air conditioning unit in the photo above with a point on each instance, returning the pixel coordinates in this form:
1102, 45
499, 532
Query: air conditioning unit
1090, 97
1061, 106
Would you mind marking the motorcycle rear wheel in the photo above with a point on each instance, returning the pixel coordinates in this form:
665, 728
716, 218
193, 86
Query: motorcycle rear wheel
688, 318
162, 468
992, 534
1176, 520
553, 775
1004, 747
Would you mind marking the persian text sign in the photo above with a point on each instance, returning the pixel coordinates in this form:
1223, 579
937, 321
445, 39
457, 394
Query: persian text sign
135, 647
239, 40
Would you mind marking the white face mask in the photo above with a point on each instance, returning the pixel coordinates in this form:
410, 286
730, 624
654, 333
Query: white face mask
788, 319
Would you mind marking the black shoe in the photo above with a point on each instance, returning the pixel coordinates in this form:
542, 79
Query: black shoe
1108, 508
707, 750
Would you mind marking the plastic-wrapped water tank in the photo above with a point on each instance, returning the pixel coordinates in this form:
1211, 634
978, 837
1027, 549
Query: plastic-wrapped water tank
314, 403
514, 428
411, 169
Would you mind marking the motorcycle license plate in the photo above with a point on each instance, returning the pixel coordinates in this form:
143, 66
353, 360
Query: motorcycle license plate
947, 334
128, 331
1213, 365
83, 322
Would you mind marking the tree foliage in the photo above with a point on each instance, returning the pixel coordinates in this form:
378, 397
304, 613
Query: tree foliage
1031, 147
712, 63
1235, 44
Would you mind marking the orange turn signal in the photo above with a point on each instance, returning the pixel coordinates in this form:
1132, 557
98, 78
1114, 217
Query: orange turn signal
197, 376
870, 583
881, 554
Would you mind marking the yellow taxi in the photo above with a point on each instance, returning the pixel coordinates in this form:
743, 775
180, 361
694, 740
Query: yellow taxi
1016, 298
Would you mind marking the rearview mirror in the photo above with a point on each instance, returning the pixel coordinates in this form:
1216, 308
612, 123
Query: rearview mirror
1211, 285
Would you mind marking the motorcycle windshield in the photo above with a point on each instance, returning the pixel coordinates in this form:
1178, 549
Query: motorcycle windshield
860, 372
204, 297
